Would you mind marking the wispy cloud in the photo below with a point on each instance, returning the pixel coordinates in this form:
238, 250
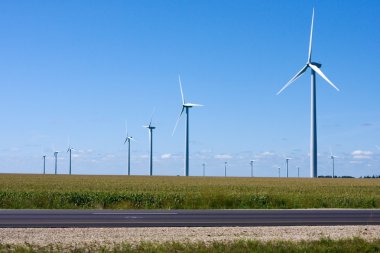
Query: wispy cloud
166, 156
361, 154
264, 154
223, 156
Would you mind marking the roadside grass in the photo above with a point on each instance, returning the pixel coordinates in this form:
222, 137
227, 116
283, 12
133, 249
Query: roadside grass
22, 191
321, 246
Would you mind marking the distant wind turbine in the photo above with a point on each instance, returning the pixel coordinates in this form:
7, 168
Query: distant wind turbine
315, 67
225, 169
185, 107
128, 139
55, 164
69, 149
150, 128
44, 158
287, 166
251, 163
333, 163
204, 169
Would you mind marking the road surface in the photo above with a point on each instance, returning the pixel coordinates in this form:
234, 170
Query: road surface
186, 218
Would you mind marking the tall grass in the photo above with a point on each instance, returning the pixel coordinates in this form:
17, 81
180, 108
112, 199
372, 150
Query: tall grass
144, 192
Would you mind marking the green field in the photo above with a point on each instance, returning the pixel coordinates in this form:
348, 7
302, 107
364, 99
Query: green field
321, 246
144, 192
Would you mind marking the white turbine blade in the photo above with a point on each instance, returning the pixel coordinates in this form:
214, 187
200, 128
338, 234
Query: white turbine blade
180, 86
193, 105
133, 139
179, 117
311, 38
316, 69
331, 154
293, 79
126, 139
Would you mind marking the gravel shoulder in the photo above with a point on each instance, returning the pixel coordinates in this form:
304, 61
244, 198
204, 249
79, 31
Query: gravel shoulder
76, 237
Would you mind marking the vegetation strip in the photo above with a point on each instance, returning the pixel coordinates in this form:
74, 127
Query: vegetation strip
324, 245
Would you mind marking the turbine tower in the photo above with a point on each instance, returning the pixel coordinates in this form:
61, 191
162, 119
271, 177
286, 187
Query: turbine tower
128, 139
69, 149
315, 68
287, 166
333, 164
55, 164
185, 107
251, 163
44, 158
204, 169
150, 127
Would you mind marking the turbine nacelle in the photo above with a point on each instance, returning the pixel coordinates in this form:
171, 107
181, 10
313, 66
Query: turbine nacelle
318, 65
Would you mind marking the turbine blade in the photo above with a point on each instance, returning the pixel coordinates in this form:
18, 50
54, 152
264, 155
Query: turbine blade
293, 79
316, 69
193, 105
180, 86
311, 38
126, 139
179, 117
126, 128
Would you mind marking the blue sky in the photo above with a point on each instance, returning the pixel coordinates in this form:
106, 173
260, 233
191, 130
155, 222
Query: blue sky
81, 68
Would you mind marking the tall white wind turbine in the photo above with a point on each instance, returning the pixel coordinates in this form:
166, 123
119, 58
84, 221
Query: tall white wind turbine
128, 139
185, 107
315, 68
150, 128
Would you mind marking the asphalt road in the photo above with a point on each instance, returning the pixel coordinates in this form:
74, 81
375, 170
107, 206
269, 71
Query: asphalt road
185, 218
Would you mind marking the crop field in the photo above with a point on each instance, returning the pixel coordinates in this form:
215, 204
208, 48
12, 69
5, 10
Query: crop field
144, 192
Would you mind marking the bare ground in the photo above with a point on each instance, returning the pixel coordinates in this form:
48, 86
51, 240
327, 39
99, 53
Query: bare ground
77, 237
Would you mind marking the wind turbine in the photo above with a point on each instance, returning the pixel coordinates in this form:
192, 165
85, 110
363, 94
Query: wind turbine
128, 139
315, 68
333, 163
225, 169
44, 158
150, 127
185, 107
55, 164
69, 149
204, 169
251, 163
287, 166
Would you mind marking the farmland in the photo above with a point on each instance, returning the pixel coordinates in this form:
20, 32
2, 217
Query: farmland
143, 192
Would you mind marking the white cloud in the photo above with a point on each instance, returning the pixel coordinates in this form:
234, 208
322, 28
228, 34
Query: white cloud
264, 154
223, 156
166, 156
361, 154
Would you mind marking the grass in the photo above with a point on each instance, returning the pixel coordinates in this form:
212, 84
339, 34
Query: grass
324, 245
144, 192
